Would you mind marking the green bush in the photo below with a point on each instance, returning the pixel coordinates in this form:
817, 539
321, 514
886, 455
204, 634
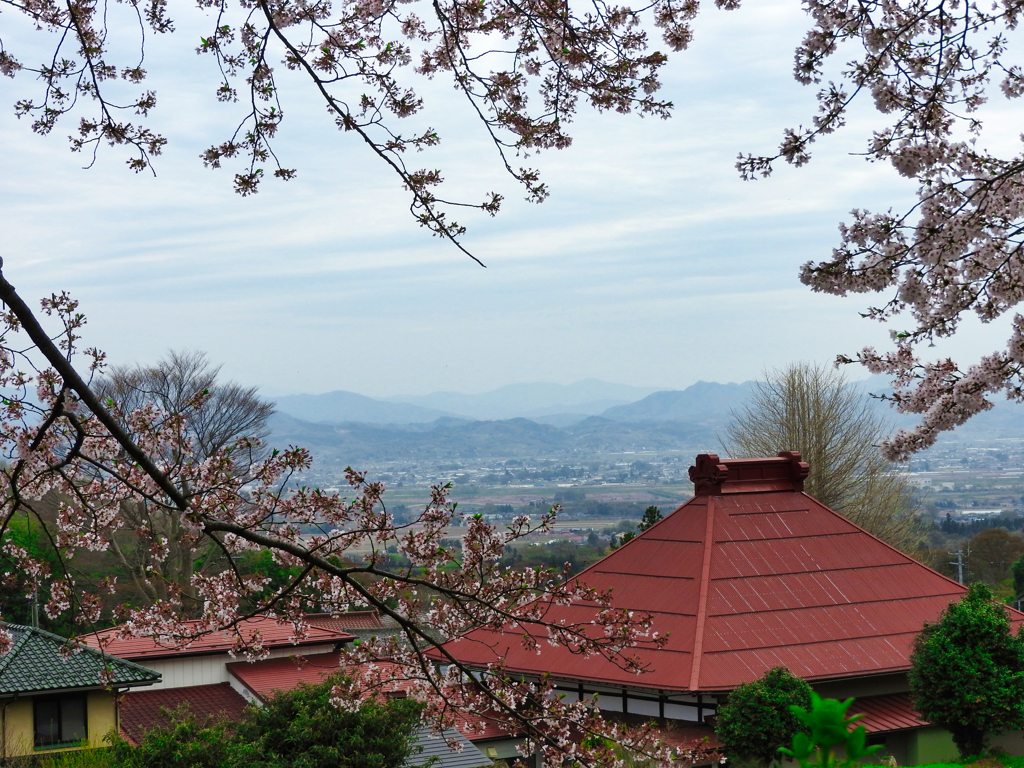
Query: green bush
186, 742
756, 720
296, 729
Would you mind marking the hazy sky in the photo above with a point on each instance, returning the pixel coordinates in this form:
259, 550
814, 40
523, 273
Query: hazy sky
651, 264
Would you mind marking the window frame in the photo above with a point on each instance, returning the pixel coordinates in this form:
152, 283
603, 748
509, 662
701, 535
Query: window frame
61, 699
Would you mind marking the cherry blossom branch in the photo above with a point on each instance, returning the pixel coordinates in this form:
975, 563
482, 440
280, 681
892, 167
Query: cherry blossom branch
71, 378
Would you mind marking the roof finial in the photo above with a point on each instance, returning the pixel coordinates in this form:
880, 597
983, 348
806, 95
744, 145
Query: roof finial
798, 470
708, 474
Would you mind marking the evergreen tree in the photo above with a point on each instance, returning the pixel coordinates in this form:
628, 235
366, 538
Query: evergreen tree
651, 516
1018, 578
967, 672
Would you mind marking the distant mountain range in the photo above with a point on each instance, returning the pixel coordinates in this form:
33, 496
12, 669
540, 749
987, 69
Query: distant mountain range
340, 407
535, 420
556, 404
586, 398
346, 427
705, 402
510, 438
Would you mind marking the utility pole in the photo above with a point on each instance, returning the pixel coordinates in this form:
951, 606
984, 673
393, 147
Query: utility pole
34, 601
959, 563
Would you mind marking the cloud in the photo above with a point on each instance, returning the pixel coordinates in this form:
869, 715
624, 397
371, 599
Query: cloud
652, 263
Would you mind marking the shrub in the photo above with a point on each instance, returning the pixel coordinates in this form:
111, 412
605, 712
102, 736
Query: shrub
296, 729
756, 720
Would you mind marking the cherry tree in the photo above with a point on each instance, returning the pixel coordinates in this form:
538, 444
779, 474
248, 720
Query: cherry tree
521, 66
929, 67
97, 457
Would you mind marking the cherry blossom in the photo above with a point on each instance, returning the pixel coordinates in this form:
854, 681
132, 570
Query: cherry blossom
929, 68
522, 67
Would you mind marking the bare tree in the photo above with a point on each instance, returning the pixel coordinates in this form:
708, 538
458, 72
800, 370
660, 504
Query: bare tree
216, 414
812, 409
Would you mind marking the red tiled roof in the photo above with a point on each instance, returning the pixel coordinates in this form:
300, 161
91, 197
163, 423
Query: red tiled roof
893, 712
265, 677
274, 635
351, 620
750, 574
144, 710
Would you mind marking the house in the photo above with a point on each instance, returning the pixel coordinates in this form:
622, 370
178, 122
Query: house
57, 695
206, 677
749, 574
204, 661
197, 675
254, 683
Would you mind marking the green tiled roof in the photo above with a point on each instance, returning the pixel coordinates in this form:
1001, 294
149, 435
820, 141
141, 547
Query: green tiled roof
34, 663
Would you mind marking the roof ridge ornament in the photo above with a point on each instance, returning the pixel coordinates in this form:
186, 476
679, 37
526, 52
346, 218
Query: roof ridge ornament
798, 469
712, 476
708, 474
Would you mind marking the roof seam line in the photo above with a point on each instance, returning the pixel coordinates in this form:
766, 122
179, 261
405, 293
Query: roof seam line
702, 602
820, 571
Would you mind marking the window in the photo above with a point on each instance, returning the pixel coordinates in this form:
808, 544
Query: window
59, 720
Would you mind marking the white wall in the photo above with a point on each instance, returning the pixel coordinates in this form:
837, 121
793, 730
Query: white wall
677, 706
181, 671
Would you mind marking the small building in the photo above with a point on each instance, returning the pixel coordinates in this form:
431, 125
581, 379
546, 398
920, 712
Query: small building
211, 682
57, 695
198, 675
204, 661
750, 574
253, 683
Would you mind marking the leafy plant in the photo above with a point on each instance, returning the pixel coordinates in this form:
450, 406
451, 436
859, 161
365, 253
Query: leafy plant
828, 727
756, 719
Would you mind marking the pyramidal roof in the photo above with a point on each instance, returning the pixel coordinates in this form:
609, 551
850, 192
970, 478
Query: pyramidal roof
750, 574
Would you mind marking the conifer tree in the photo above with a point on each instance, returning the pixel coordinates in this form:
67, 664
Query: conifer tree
967, 672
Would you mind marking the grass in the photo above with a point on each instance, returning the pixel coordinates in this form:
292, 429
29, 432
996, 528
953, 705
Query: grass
79, 758
985, 762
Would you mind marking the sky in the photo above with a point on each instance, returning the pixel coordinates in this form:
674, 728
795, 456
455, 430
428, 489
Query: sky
651, 264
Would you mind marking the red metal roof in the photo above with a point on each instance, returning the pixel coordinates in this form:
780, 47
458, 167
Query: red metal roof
265, 677
345, 621
893, 712
144, 710
750, 574
273, 635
